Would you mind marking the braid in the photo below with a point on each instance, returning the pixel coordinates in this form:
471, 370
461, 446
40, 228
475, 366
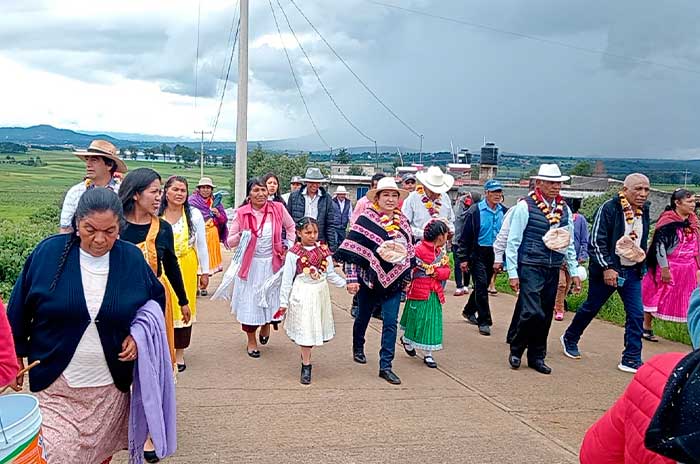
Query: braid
72, 240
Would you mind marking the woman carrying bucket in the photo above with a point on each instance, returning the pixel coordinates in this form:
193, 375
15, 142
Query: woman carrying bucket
71, 308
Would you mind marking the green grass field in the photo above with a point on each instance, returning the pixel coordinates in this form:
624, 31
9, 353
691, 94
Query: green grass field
26, 189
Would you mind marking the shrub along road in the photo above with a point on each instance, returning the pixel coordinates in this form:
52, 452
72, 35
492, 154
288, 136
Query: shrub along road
472, 409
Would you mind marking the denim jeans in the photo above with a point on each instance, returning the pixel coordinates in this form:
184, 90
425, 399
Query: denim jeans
368, 298
461, 278
598, 294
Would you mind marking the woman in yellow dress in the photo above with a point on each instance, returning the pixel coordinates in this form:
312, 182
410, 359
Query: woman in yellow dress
189, 232
209, 204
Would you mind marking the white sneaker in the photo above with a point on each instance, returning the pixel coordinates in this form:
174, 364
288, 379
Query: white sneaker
626, 368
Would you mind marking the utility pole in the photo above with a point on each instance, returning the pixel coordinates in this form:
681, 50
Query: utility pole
421, 149
241, 170
685, 181
201, 152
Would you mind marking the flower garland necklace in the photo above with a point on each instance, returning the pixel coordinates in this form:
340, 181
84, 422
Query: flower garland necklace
392, 225
442, 259
433, 206
630, 214
554, 217
315, 272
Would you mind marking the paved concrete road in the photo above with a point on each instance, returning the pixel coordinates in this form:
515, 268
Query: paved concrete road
472, 409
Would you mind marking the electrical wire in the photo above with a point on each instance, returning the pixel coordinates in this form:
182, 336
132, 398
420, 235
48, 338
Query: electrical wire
223, 92
371, 92
296, 82
535, 38
318, 77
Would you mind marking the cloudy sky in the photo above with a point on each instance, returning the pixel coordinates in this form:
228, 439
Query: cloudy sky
129, 66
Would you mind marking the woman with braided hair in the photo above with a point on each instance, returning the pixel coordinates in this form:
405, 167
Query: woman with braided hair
71, 308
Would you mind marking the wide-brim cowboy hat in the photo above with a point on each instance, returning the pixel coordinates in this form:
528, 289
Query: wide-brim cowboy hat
435, 180
205, 182
104, 149
340, 191
551, 173
386, 183
314, 175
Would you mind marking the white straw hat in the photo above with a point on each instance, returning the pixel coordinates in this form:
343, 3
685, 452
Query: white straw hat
551, 173
386, 183
435, 180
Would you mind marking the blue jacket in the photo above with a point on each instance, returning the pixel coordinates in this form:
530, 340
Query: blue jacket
47, 325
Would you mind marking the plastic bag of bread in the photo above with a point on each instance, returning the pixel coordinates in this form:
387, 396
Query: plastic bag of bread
626, 248
392, 251
557, 239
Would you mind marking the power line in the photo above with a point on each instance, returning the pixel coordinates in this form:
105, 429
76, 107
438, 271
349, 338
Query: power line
535, 38
223, 92
296, 82
371, 92
318, 77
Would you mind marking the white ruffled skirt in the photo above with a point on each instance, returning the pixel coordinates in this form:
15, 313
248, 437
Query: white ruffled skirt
246, 303
309, 318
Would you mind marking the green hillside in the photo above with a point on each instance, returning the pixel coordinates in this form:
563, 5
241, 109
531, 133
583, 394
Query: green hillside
26, 189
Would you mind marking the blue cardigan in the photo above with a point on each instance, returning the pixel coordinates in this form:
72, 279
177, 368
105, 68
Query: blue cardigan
48, 325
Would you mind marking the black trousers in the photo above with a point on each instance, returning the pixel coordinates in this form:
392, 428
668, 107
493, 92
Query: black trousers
481, 268
533, 313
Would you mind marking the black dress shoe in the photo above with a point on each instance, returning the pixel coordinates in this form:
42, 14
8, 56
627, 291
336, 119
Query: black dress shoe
539, 366
263, 340
430, 362
150, 456
514, 361
485, 330
253, 354
305, 374
359, 357
471, 318
389, 376
181, 367
202, 292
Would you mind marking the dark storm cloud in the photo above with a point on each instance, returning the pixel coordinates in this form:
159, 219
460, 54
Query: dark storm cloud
445, 80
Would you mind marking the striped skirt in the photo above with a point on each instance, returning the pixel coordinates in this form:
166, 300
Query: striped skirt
421, 322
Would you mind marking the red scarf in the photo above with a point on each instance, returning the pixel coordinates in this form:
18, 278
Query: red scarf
247, 221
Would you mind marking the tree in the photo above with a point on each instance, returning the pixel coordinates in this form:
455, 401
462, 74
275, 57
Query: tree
343, 157
186, 153
355, 170
582, 168
165, 150
284, 166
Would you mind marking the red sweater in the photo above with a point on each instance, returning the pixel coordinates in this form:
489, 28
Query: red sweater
618, 436
8, 358
421, 287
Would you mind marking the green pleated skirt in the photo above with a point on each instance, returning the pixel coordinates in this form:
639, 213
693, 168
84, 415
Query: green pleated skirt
421, 322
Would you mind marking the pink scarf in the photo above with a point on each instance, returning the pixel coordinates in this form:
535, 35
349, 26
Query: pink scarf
247, 221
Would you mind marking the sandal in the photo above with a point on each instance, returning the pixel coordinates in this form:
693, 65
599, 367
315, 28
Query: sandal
558, 315
648, 335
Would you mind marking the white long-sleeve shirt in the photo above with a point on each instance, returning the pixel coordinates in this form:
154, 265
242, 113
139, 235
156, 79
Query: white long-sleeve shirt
499, 245
418, 215
290, 271
200, 241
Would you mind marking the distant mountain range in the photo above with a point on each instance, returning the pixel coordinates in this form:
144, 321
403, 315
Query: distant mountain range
48, 135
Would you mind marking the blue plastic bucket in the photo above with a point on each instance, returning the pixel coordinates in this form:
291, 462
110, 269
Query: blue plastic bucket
20, 434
